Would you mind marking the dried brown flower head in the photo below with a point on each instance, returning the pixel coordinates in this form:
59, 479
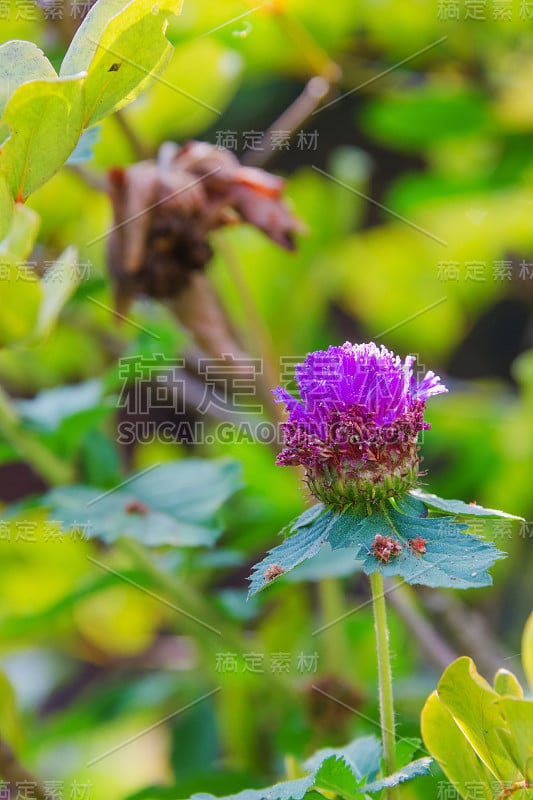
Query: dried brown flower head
165, 209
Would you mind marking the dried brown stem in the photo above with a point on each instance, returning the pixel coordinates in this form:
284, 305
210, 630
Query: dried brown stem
198, 309
294, 118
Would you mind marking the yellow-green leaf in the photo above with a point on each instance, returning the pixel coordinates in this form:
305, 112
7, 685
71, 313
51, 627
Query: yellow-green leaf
446, 742
519, 716
475, 708
122, 50
187, 101
83, 46
505, 683
45, 122
21, 61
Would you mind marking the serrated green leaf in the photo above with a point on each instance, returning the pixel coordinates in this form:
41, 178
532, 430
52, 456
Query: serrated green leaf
327, 563
343, 771
58, 284
408, 504
413, 770
172, 504
458, 508
406, 749
286, 790
307, 516
21, 61
299, 547
363, 756
45, 122
122, 49
334, 775
457, 759
474, 706
451, 558
109, 518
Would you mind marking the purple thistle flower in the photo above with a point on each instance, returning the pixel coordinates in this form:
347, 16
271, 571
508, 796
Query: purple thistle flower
356, 425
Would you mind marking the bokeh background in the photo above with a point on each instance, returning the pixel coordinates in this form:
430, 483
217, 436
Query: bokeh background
416, 189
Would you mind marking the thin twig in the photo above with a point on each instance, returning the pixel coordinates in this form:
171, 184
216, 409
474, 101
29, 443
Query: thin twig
293, 119
140, 151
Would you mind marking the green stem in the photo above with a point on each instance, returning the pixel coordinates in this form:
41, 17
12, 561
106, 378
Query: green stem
386, 704
45, 463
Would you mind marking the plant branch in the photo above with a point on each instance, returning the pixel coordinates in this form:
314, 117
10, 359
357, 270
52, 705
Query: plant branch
292, 119
140, 151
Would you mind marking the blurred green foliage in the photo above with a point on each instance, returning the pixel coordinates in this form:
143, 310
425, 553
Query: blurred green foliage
439, 262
